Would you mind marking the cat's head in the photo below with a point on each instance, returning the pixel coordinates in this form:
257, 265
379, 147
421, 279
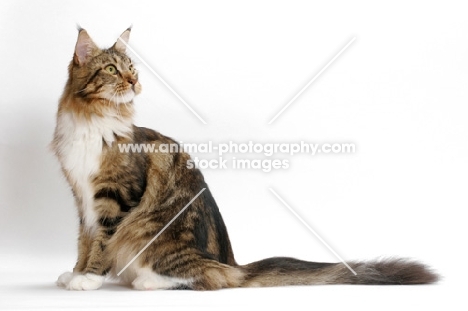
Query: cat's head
106, 74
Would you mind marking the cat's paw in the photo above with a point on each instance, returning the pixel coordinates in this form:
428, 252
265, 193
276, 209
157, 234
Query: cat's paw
149, 282
88, 281
64, 279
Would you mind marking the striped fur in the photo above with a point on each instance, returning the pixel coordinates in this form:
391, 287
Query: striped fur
125, 199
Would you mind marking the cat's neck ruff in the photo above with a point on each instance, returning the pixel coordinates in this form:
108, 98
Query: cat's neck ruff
80, 137
97, 119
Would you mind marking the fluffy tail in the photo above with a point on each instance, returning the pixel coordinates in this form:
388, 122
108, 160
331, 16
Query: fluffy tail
282, 271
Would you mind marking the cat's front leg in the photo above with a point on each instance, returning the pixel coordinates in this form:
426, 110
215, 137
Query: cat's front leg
91, 266
84, 246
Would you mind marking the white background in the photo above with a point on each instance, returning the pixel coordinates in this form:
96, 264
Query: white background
399, 92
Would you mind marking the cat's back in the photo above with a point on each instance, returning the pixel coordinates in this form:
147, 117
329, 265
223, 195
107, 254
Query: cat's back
146, 135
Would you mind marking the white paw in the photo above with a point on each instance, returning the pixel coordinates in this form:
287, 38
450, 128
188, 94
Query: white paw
152, 281
64, 279
88, 281
148, 280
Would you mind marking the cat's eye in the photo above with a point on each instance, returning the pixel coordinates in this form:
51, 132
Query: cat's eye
111, 69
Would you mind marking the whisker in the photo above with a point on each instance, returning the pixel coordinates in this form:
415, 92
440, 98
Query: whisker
117, 106
112, 98
109, 100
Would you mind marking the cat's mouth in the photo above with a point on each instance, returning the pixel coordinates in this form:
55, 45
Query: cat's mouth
122, 94
124, 97
118, 98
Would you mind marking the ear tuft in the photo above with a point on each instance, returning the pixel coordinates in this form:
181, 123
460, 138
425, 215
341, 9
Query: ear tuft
84, 48
122, 46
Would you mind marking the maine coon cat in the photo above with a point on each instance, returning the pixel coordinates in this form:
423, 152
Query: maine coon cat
125, 199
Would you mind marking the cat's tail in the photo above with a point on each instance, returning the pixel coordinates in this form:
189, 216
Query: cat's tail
282, 271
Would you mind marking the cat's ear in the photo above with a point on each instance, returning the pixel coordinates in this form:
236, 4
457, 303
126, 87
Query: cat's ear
84, 48
122, 46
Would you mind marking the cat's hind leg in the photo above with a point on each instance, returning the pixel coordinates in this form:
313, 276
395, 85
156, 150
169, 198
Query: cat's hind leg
198, 273
213, 275
147, 279
203, 273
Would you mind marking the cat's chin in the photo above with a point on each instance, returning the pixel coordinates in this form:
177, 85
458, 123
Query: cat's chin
122, 98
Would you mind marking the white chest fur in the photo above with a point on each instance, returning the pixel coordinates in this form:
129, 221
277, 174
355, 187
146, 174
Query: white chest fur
78, 144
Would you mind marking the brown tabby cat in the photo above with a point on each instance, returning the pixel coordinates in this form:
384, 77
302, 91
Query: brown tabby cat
125, 199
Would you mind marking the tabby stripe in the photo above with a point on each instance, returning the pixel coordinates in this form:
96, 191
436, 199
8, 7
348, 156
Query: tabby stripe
180, 267
110, 225
187, 267
200, 231
106, 271
92, 77
169, 260
166, 263
110, 222
96, 90
113, 195
110, 231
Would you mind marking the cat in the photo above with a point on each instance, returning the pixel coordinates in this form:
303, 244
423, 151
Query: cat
125, 199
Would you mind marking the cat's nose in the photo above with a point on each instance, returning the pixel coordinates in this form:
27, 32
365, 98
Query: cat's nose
132, 81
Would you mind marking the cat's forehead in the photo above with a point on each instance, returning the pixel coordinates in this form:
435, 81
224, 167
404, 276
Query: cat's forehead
112, 56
